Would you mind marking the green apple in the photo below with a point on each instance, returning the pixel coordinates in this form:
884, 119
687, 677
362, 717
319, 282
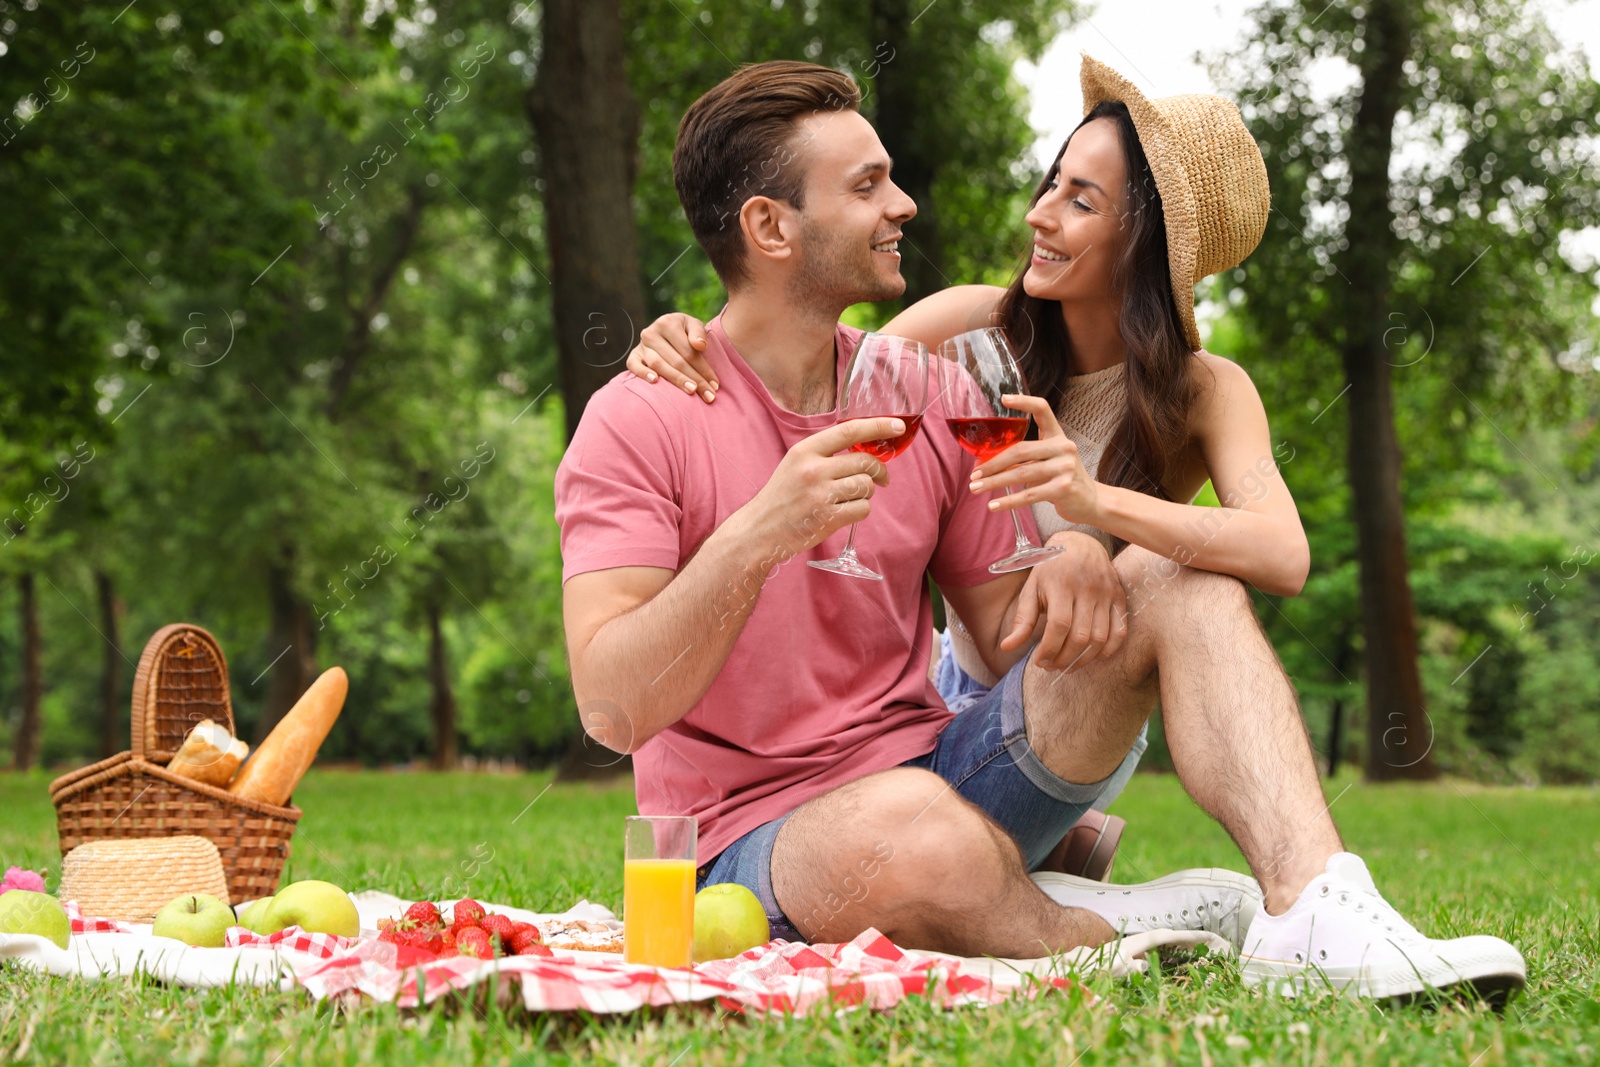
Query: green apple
316, 907
728, 920
22, 911
195, 919
254, 918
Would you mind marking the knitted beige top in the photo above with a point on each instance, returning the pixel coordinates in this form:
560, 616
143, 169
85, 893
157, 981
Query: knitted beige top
1089, 414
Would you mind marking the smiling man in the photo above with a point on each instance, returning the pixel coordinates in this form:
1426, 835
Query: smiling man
790, 710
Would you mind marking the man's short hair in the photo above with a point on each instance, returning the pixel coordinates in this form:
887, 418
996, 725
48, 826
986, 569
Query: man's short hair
735, 142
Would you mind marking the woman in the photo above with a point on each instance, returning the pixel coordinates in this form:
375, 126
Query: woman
1146, 198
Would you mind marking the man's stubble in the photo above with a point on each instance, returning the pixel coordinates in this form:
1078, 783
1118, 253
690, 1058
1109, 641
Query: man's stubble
835, 271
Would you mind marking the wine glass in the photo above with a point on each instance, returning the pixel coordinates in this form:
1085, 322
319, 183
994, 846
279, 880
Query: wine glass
887, 376
977, 369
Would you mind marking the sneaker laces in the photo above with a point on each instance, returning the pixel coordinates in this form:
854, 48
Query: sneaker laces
1371, 903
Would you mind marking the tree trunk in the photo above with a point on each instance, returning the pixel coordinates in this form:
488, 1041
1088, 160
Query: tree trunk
1341, 663
293, 642
26, 749
113, 735
442, 708
1399, 733
586, 122
899, 115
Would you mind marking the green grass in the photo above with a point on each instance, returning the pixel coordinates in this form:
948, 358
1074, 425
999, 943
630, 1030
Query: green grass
1453, 858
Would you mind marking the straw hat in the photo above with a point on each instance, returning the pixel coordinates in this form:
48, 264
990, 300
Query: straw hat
1208, 170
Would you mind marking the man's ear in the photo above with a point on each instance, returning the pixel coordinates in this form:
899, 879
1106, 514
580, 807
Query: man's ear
772, 227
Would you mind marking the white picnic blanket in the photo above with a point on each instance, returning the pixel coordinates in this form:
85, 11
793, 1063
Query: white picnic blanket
869, 971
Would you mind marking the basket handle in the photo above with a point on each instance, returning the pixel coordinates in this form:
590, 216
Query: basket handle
182, 678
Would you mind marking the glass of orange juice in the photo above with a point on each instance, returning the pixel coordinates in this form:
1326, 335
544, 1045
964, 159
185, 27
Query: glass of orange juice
658, 871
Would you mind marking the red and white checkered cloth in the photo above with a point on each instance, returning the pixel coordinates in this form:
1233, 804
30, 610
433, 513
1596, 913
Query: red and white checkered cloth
90, 925
781, 977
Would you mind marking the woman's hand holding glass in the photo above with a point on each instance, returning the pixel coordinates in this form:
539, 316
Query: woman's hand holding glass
978, 373
1048, 470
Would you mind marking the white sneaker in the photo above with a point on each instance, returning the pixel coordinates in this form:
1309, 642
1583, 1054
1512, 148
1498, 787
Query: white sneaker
1342, 936
1203, 898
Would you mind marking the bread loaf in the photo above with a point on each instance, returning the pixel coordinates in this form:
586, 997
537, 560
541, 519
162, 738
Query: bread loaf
272, 773
209, 754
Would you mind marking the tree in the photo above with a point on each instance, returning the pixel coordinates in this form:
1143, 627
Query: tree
27, 740
1395, 704
586, 121
1422, 205
939, 72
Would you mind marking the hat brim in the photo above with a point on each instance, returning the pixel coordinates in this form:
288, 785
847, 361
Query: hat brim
1100, 83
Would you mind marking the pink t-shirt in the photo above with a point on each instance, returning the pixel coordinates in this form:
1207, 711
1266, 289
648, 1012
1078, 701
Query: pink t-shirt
828, 681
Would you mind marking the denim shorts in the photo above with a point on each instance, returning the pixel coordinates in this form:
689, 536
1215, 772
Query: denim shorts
984, 753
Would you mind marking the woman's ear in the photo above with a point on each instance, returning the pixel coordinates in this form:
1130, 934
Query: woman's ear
770, 227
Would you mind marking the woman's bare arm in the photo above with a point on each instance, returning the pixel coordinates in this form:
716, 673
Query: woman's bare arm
937, 318
1255, 535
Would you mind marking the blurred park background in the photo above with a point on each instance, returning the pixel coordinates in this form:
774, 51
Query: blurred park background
300, 300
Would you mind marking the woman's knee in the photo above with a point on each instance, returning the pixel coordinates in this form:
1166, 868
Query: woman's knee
1153, 580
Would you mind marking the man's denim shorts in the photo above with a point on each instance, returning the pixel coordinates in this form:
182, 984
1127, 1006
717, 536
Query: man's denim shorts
984, 753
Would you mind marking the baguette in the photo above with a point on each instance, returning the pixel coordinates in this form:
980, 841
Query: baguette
209, 754
272, 773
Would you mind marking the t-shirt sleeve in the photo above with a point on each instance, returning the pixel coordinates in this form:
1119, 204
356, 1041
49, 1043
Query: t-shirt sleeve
618, 488
970, 536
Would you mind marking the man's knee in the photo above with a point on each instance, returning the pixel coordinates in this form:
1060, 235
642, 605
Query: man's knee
874, 852
911, 821
909, 808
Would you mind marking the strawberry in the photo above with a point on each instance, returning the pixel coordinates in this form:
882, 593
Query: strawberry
425, 913
416, 939
528, 943
519, 926
475, 942
469, 909
407, 956
499, 926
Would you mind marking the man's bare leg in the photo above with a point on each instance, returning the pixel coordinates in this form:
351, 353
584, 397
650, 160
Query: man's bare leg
902, 851
1232, 722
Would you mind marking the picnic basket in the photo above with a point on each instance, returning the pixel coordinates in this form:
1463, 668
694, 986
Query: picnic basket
182, 678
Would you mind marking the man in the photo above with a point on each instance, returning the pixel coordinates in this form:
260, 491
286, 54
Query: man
791, 712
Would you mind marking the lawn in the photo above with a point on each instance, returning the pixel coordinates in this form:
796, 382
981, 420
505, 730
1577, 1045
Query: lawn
1453, 858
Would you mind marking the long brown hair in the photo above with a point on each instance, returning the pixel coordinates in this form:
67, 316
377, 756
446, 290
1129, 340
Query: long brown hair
1155, 426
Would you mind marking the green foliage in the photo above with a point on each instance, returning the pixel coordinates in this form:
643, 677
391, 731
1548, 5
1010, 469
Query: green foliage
1491, 337
279, 273
339, 373
333, 298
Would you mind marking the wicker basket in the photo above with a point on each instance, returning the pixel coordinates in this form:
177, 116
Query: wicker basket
182, 678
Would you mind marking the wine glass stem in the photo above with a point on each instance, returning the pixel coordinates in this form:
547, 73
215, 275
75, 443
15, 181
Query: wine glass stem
849, 544
1023, 540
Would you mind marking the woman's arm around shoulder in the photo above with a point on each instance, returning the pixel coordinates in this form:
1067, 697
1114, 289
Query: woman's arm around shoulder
937, 318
